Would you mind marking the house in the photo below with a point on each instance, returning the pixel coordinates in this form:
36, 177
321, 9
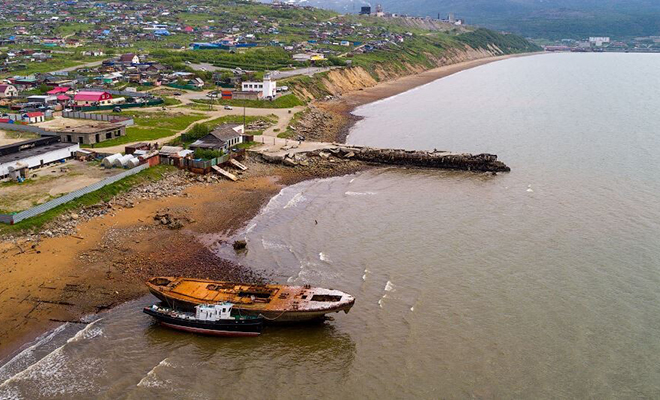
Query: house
34, 117
58, 90
45, 100
91, 133
85, 98
222, 138
268, 87
7, 90
17, 158
129, 58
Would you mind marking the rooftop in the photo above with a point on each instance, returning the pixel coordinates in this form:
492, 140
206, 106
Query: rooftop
35, 151
90, 128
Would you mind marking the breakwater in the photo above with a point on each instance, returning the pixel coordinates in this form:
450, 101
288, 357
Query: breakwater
412, 158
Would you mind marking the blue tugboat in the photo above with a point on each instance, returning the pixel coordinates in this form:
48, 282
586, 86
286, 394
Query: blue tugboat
208, 319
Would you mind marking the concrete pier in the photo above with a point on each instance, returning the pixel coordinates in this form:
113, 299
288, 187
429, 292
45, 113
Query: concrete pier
297, 155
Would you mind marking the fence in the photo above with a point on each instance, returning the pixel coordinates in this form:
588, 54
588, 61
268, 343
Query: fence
122, 106
120, 92
33, 212
98, 117
186, 87
26, 128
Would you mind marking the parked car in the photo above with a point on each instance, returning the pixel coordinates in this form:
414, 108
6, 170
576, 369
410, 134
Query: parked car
116, 109
229, 108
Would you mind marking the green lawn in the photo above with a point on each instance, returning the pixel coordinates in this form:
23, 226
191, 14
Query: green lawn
229, 119
104, 194
152, 126
288, 101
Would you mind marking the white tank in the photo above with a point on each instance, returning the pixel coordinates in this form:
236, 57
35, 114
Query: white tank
133, 162
121, 161
109, 160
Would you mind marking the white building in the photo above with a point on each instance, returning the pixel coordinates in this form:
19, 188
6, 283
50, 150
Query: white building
7, 90
18, 157
268, 87
599, 41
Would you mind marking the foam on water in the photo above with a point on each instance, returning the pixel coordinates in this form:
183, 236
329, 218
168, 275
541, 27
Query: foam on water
324, 257
360, 193
26, 357
151, 379
295, 200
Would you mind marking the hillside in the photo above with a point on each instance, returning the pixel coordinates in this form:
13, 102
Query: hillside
552, 19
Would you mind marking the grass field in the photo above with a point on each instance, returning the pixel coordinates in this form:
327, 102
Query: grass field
288, 101
152, 126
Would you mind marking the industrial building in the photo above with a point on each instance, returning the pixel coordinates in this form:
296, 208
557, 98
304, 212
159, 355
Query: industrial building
91, 133
17, 158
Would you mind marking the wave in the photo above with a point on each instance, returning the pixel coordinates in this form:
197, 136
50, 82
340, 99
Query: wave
88, 332
360, 193
295, 200
150, 379
24, 359
324, 257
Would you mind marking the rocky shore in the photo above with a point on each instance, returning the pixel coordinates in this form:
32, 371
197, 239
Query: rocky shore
409, 158
99, 256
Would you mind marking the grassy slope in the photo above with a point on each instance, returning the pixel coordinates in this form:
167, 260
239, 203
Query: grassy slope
152, 126
288, 101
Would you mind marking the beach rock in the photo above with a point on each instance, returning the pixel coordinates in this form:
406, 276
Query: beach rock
240, 245
272, 158
325, 155
289, 162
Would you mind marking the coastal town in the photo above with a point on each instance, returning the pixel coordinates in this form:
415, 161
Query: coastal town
191, 161
172, 118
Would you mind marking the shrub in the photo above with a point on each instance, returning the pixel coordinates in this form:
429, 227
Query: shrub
207, 154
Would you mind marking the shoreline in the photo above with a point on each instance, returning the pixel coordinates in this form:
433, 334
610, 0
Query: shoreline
106, 262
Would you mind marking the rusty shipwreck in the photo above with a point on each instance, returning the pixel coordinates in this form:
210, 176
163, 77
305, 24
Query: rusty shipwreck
276, 303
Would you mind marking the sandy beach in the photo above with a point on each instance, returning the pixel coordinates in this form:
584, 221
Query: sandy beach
107, 260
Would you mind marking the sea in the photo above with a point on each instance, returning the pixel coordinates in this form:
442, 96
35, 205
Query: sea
541, 283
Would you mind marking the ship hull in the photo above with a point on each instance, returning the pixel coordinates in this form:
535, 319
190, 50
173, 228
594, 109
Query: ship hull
230, 328
272, 316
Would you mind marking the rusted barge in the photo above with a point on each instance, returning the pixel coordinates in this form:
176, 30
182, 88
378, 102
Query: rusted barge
276, 303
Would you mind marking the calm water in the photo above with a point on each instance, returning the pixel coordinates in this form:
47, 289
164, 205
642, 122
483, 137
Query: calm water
541, 283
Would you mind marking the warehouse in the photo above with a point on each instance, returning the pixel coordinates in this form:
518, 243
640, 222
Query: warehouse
92, 133
17, 158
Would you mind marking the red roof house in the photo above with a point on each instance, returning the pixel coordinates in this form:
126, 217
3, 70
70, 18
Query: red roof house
58, 90
92, 98
34, 117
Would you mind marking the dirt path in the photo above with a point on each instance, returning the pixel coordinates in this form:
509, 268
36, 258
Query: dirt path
284, 117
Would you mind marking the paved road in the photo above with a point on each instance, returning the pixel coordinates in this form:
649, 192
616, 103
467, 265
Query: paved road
207, 67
